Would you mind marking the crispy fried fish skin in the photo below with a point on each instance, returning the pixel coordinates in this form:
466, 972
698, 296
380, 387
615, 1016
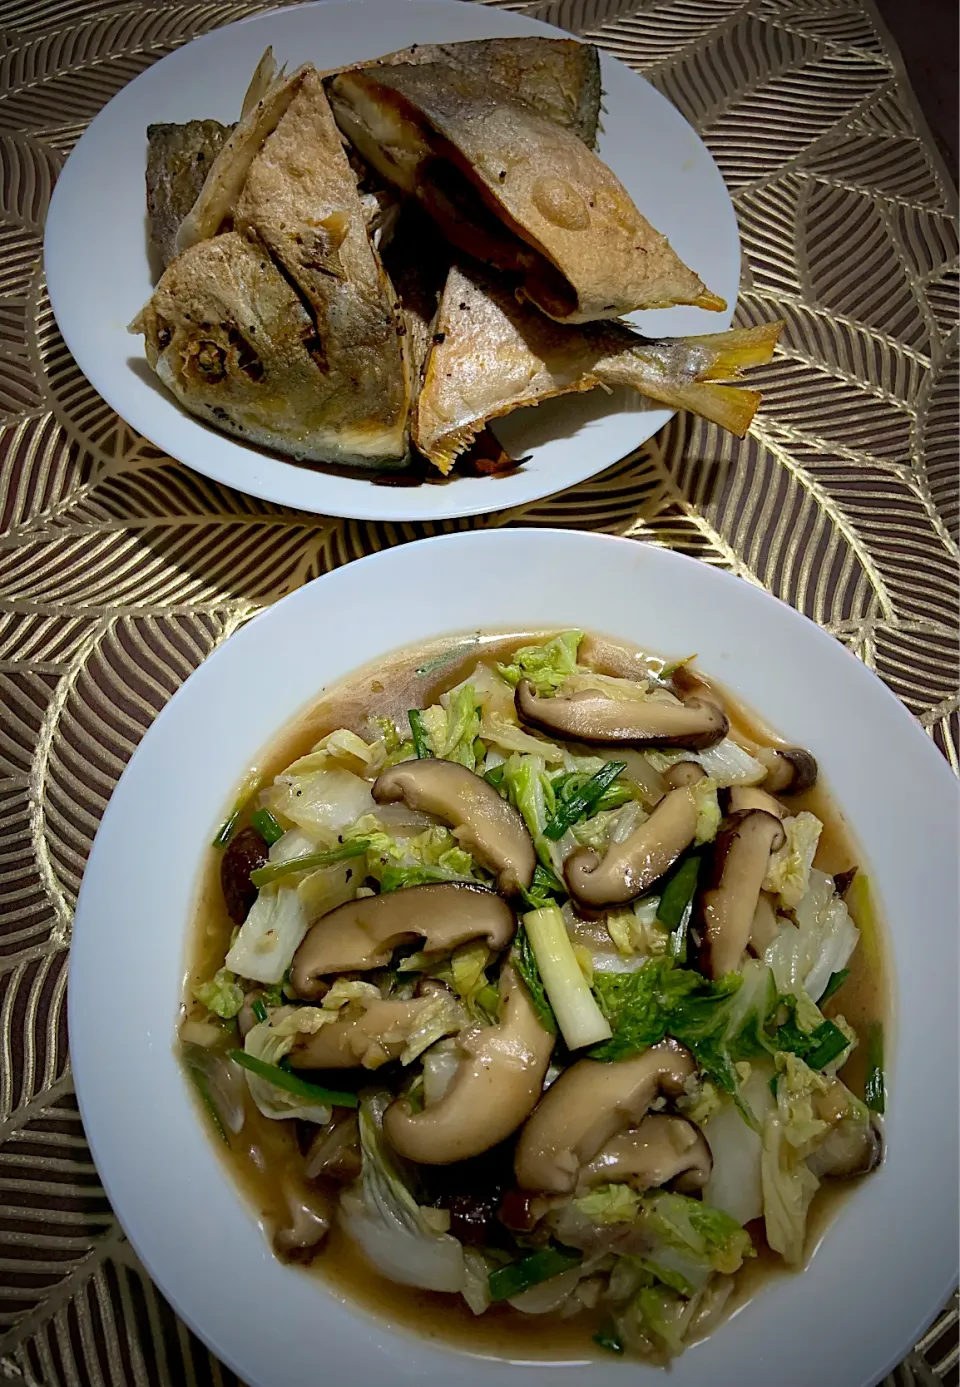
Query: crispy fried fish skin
560, 78
491, 355
512, 188
178, 160
229, 336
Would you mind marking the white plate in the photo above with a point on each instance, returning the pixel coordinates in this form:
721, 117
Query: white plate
887, 1262
99, 274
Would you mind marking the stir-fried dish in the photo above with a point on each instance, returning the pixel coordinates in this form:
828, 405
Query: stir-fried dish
536, 989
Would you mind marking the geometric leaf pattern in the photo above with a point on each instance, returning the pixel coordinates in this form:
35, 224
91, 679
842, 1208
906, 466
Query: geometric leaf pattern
120, 570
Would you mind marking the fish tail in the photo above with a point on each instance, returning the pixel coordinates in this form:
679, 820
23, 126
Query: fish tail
735, 351
730, 406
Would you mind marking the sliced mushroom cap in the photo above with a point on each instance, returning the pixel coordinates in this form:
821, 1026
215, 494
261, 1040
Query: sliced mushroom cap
790, 769
590, 716
627, 869
496, 1086
368, 1038
746, 797
485, 824
586, 1107
662, 1149
364, 933
728, 905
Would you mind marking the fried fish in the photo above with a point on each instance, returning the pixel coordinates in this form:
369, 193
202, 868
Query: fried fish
228, 173
560, 78
514, 189
491, 355
285, 330
178, 160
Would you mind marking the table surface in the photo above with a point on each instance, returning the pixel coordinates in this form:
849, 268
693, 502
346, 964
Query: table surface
120, 570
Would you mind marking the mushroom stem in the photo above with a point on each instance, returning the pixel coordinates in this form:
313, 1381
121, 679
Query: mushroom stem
629, 868
587, 1106
743, 798
682, 774
495, 1087
728, 905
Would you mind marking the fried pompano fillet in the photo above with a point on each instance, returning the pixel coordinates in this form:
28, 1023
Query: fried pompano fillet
514, 189
285, 330
491, 355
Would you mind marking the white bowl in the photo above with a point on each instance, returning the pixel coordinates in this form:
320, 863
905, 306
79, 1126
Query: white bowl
886, 1263
99, 273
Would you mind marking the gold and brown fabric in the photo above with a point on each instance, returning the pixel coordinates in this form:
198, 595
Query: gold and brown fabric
120, 570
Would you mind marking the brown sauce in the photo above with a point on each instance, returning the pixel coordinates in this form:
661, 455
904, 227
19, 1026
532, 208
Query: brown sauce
258, 1157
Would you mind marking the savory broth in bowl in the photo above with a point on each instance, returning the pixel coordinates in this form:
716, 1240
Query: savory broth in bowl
613, 1060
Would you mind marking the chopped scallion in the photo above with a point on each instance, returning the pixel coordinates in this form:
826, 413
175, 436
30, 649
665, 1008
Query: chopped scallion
539, 1266
494, 776
571, 810
679, 892
225, 832
676, 905
273, 871
248, 788
420, 741
579, 1018
830, 1042
267, 826
834, 985
291, 1083
258, 1009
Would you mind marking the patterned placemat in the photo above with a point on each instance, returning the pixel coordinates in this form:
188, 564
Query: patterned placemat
120, 570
